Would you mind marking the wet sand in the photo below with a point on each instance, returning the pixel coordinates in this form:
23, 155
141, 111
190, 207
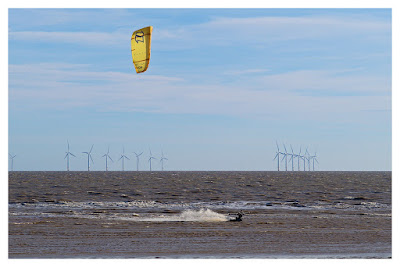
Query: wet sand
307, 215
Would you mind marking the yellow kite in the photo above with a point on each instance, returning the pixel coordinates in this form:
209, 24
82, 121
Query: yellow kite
140, 45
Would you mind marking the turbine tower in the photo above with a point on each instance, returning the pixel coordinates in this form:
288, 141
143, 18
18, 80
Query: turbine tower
298, 160
314, 158
162, 160
285, 156
137, 160
291, 158
12, 161
277, 154
304, 160
67, 154
123, 157
107, 156
308, 159
89, 156
150, 158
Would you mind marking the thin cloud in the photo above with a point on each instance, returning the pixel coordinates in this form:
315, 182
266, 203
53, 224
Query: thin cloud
43, 86
336, 82
88, 38
227, 31
299, 22
264, 30
245, 71
50, 17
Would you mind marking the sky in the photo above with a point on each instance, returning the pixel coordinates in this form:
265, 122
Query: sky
223, 88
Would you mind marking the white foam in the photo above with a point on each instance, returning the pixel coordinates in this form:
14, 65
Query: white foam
202, 215
206, 215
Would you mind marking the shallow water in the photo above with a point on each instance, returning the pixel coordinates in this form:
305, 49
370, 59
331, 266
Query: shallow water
186, 214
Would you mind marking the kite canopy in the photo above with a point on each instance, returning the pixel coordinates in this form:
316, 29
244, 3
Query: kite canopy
140, 45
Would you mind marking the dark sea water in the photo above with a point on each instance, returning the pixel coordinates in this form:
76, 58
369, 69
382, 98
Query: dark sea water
186, 214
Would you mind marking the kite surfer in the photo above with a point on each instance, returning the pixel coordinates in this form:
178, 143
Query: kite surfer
237, 217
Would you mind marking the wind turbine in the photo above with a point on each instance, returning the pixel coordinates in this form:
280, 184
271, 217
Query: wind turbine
303, 157
107, 157
277, 154
298, 160
137, 160
314, 158
285, 156
291, 158
162, 160
308, 159
89, 156
123, 157
12, 161
67, 156
150, 158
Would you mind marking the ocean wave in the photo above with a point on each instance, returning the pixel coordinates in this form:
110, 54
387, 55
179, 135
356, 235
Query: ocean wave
160, 207
202, 215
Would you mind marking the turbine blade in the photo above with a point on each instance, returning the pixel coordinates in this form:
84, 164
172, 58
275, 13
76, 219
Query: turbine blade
90, 156
91, 149
72, 154
110, 158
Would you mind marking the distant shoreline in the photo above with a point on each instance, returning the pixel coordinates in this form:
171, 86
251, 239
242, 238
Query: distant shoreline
83, 171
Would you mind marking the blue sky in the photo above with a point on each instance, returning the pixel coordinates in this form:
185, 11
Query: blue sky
223, 86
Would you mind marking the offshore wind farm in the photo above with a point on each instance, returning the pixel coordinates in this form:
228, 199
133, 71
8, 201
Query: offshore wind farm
305, 157
310, 161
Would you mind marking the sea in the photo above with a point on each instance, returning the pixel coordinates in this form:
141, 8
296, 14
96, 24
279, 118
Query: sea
187, 215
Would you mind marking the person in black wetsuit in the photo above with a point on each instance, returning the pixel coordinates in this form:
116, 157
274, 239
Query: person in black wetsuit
238, 217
